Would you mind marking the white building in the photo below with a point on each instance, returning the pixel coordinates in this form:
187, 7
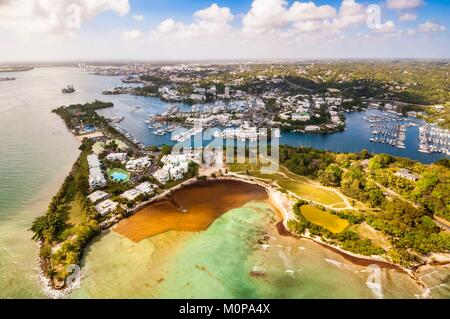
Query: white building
146, 187
117, 157
175, 166
162, 175
98, 196
131, 194
138, 164
404, 173
199, 90
227, 92
312, 128
301, 117
106, 207
197, 97
96, 177
93, 161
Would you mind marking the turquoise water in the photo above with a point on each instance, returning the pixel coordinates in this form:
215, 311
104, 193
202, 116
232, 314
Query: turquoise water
119, 176
217, 263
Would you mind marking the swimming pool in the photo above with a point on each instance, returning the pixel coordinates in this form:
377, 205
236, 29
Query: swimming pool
118, 175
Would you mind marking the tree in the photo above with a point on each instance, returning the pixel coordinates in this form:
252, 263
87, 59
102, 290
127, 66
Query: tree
166, 149
331, 176
38, 227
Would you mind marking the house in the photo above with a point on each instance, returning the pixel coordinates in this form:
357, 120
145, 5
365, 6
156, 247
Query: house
106, 207
174, 159
200, 90
98, 196
212, 90
175, 172
162, 175
96, 177
146, 187
131, 194
301, 117
312, 128
117, 157
197, 97
93, 161
138, 164
175, 166
227, 92
404, 173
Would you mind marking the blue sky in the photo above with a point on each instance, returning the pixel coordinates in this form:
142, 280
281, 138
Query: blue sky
229, 29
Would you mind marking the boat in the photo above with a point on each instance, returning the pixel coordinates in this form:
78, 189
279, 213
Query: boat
117, 119
136, 108
67, 90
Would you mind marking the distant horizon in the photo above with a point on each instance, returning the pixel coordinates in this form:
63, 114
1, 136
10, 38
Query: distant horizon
218, 60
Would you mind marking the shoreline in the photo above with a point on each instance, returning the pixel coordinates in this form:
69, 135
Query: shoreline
275, 198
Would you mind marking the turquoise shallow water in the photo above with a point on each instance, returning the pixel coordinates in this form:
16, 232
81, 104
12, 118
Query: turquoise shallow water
217, 263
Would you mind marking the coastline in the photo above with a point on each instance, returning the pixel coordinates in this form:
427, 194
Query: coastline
276, 199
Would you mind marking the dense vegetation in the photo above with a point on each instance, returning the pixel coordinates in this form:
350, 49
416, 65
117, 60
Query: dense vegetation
55, 228
347, 239
403, 211
73, 114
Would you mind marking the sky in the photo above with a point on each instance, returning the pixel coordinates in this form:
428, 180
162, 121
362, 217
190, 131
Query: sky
161, 30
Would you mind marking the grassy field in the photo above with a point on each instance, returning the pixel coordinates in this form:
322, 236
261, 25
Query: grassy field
75, 212
329, 221
311, 192
296, 184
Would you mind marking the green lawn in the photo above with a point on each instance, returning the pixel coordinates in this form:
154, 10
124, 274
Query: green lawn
333, 223
311, 192
296, 184
75, 212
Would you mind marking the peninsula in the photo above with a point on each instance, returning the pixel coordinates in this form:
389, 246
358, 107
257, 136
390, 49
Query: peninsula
388, 209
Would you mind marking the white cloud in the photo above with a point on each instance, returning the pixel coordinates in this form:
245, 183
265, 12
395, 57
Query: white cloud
212, 21
138, 17
431, 27
351, 14
309, 11
54, 16
387, 27
265, 16
214, 14
275, 17
408, 17
132, 35
404, 4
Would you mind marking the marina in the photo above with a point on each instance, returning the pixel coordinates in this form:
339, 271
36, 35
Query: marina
433, 139
391, 129
394, 135
145, 125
